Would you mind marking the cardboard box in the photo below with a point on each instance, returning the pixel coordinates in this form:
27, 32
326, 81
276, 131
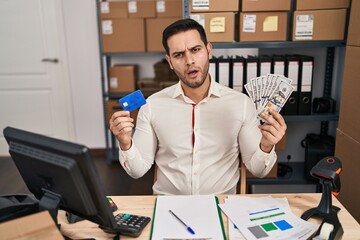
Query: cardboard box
148, 83
347, 150
112, 106
319, 25
321, 4
35, 226
148, 86
353, 37
163, 72
169, 9
122, 78
123, 35
113, 9
214, 6
349, 113
219, 27
265, 5
141, 9
263, 26
154, 30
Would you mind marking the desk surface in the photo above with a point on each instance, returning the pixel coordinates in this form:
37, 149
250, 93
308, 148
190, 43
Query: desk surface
144, 205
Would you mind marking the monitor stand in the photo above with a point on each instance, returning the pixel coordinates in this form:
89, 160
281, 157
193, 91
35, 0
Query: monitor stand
50, 201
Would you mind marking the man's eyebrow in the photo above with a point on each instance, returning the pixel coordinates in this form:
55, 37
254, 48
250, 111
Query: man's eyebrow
179, 52
196, 46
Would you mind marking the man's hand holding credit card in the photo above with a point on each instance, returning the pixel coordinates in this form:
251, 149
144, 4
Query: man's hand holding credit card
121, 123
132, 101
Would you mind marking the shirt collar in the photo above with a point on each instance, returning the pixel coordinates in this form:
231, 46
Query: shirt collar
213, 91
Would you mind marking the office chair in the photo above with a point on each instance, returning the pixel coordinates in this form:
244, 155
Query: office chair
242, 182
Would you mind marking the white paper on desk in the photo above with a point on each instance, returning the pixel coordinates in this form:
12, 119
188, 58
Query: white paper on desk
200, 212
266, 218
234, 232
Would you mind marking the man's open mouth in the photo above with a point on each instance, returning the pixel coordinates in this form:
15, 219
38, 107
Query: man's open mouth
192, 73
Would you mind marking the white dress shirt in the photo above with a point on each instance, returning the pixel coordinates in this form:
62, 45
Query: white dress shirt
197, 147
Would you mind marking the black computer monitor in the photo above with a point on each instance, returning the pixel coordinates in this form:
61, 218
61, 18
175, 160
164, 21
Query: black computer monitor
61, 175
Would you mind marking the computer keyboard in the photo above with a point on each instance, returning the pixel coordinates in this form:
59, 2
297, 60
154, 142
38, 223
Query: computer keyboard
131, 225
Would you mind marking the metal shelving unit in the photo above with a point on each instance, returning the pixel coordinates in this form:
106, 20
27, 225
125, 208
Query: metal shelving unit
324, 119
109, 149
288, 44
330, 45
111, 144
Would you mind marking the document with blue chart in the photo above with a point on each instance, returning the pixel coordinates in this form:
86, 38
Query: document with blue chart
265, 218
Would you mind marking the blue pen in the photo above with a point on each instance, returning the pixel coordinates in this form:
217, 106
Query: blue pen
187, 227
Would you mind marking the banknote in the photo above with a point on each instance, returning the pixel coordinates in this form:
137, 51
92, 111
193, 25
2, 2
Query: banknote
269, 92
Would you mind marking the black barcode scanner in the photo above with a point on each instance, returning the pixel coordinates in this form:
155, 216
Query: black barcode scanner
327, 170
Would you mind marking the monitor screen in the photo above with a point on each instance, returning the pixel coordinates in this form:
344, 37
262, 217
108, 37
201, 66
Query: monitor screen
61, 175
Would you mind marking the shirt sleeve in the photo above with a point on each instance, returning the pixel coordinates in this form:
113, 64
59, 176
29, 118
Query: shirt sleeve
136, 162
256, 161
261, 163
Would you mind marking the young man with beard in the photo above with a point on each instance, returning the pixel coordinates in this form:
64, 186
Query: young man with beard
195, 130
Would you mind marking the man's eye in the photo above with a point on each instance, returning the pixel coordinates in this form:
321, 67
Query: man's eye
196, 49
177, 55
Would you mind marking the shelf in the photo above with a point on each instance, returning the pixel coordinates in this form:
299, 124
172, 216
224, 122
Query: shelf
226, 45
123, 94
315, 117
295, 176
115, 95
289, 44
293, 181
133, 54
111, 145
288, 118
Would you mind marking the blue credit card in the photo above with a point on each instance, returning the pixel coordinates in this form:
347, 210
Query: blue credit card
132, 101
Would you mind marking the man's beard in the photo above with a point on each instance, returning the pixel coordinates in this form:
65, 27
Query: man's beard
197, 83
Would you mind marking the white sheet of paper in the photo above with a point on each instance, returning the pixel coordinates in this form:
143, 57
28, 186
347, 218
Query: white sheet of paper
200, 212
266, 218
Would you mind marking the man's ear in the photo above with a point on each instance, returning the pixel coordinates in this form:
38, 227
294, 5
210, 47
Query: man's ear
169, 61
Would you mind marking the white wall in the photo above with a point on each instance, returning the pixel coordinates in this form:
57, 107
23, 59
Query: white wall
82, 43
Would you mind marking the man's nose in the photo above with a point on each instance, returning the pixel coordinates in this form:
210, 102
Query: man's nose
189, 58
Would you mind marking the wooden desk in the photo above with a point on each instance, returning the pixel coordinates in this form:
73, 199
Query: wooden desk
144, 205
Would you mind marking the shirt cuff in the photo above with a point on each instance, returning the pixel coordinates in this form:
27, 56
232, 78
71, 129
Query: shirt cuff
268, 157
127, 154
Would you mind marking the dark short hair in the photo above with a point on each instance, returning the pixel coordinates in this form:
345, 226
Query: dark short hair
182, 25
